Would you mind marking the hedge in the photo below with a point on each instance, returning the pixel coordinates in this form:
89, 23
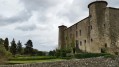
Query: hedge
90, 55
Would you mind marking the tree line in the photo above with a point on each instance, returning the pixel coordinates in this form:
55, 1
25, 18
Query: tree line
16, 48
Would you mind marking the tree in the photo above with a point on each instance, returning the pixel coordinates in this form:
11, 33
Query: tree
6, 44
13, 47
19, 47
29, 47
52, 53
4, 54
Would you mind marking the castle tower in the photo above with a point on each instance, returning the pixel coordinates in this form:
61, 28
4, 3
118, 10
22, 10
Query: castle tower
97, 21
61, 41
97, 7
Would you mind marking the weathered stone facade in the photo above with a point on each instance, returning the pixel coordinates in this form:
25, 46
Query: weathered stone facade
97, 33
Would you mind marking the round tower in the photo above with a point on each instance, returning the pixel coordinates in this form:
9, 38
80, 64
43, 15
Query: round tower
97, 7
97, 11
61, 41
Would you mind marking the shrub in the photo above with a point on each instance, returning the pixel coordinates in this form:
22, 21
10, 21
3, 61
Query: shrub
89, 55
62, 53
4, 55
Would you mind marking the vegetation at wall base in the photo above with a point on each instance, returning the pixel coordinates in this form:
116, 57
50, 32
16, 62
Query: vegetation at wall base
90, 55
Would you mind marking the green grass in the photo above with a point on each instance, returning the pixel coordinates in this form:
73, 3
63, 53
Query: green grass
26, 58
32, 59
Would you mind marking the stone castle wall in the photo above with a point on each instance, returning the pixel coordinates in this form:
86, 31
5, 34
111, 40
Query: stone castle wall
97, 33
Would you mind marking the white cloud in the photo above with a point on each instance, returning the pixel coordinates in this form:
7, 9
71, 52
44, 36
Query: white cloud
10, 8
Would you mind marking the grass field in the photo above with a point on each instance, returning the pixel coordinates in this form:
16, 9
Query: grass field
32, 59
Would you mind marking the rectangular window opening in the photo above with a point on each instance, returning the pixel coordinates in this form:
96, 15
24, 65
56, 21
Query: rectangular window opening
80, 32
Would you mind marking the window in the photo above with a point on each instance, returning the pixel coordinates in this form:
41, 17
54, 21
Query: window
104, 25
91, 40
85, 41
91, 27
103, 50
76, 33
80, 32
76, 26
77, 45
80, 43
105, 45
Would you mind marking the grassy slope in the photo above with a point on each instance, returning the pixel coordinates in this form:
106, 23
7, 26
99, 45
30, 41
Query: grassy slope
32, 59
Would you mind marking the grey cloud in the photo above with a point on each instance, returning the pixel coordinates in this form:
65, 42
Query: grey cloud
22, 16
113, 3
76, 10
39, 4
27, 27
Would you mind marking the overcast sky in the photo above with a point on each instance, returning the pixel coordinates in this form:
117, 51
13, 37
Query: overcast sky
38, 20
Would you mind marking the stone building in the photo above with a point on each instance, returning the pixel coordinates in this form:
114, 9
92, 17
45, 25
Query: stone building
97, 33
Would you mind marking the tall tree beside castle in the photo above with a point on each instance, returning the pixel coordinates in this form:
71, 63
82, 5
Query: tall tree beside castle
13, 47
6, 44
29, 47
19, 47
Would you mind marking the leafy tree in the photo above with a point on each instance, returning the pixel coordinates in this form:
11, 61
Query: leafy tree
1, 41
19, 47
6, 44
52, 53
35, 52
13, 47
4, 55
41, 53
29, 47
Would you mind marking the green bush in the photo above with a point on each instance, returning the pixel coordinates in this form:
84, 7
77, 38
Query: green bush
4, 55
110, 56
62, 53
89, 55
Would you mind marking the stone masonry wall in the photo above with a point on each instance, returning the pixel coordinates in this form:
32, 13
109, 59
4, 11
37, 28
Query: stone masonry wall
114, 29
91, 62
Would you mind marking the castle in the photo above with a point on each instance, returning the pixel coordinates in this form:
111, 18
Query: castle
97, 33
